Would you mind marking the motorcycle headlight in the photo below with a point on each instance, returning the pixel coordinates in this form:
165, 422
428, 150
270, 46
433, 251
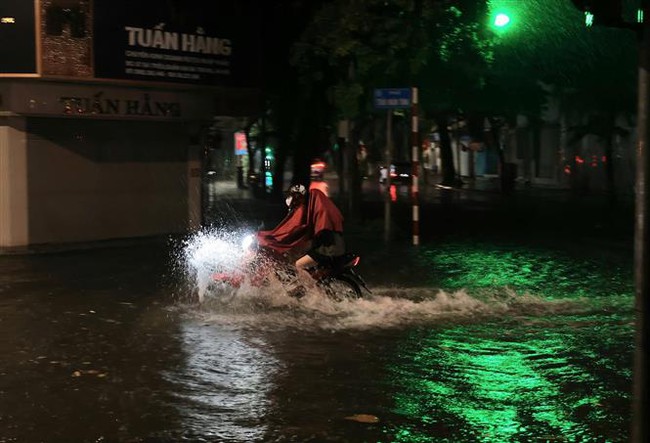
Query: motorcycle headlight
247, 242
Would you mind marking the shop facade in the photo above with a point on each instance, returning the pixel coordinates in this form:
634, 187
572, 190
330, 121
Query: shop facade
94, 150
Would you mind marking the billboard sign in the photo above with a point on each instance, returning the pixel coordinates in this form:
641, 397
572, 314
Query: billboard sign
17, 37
193, 41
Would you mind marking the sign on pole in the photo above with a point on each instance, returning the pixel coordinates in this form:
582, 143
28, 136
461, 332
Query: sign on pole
392, 98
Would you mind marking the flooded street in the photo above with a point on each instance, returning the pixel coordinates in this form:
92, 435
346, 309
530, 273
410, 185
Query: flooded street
463, 340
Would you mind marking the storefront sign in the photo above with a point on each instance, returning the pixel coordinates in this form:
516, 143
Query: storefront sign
99, 104
127, 103
190, 42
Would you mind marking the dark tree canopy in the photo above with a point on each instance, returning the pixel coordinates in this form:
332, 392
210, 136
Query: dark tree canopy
325, 58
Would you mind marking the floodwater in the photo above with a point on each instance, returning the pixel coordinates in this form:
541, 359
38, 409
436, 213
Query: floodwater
461, 341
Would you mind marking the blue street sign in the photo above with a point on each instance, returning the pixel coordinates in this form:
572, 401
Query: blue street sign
392, 98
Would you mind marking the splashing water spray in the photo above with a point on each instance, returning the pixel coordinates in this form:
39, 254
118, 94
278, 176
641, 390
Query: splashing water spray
222, 250
211, 251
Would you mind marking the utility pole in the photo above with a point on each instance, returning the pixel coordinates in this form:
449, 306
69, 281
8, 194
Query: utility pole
641, 412
389, 99
415, 160
389, 161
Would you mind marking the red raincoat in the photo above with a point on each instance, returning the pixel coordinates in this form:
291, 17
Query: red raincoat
300, 226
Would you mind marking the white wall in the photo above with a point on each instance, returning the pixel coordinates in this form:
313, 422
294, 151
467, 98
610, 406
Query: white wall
105, 179
13, 183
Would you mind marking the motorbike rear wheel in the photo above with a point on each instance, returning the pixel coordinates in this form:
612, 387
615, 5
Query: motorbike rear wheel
341, 288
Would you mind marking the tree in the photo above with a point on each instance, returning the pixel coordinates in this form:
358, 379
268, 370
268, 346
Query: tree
293, 110
591, 72
358, 46
461, 65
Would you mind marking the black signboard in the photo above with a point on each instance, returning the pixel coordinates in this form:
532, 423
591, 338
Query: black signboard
17, 37
212, 42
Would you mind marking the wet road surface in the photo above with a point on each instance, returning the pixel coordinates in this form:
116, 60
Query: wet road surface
466, 339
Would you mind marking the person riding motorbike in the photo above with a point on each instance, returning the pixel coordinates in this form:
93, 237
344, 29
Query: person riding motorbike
311, 234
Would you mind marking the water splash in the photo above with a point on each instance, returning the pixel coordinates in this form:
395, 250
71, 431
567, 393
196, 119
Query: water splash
270, 308
209, 251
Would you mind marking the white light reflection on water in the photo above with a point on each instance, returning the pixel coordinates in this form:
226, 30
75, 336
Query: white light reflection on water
224, 382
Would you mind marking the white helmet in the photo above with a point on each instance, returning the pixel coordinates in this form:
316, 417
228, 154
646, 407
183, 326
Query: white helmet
295, 195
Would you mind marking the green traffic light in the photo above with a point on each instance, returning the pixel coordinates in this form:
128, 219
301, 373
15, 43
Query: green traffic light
504, 15
501, 20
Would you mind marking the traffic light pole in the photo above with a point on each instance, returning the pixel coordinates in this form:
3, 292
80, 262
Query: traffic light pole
641, 412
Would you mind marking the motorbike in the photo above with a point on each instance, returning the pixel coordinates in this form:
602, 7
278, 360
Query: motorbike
338, 278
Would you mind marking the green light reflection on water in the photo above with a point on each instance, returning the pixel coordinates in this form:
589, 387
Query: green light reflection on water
553, 273
564, 377
518, 382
